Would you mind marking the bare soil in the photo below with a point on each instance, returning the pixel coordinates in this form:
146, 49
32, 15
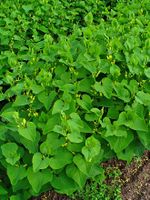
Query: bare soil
135, 179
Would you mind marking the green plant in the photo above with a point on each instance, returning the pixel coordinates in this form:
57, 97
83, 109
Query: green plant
74, 91
99, 190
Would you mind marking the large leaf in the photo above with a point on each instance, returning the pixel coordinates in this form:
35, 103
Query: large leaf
131, 151
107, 87
11, 152
88, 18
47, 99
75, 125
10, 115
32, 146
39, 162
21, 101
122, 92
85, 85
51, 123
86, 102
28, 132
144, 138
63, 184
133, 121
73, 172
38, 179
52, 143
80, 163
91, 149
61, 158
16, 173
113, 129
120, 143
143, 98
59, 106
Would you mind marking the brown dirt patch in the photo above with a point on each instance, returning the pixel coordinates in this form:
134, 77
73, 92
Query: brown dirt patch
135, 179
51, 195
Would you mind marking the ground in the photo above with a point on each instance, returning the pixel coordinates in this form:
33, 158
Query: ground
136, 179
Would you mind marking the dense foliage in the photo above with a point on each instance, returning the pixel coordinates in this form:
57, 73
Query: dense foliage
74, 91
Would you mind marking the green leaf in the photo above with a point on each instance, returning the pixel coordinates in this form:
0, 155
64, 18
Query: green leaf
95, 170
131, 151
16, 173
91, 149
32, 146
38, 179
10, 115
28, 132
16, 197
21, 101
113, 129
59, 129
107, 87
46, 99
61, 158
90, 117
86, 128
133, 121
80, 163
113, 112
133, 87
115, 70
3, 191
144, 137
75, 125
22, 185
122, 93
147, 72
84, 85
3, 131
75, 147
138, 109
86, 102
63, 184
51, 143
98, 112
37, 88
97, 86
51, 123
143, 98
73, 172
89, 18
58, 107
120, 143
39, 162
87, 61
11, 153
75, 136
28, 7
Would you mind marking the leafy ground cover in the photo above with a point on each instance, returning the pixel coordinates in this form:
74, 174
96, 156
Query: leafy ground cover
123, 182
74, 91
